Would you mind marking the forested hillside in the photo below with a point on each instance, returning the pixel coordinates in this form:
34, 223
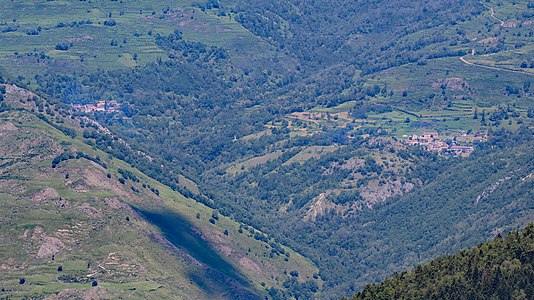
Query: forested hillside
78, 223
296, 116
502, 269
367, 33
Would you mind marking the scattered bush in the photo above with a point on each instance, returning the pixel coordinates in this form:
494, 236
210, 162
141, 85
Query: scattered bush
62, 46
110, 23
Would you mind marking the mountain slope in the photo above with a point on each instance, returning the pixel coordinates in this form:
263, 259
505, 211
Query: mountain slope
74, 217
288, 115
499, 269
461, 203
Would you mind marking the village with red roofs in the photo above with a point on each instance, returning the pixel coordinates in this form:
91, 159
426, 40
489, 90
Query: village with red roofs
106, 106
460, 144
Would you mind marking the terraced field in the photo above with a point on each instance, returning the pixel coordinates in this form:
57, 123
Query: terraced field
56, 36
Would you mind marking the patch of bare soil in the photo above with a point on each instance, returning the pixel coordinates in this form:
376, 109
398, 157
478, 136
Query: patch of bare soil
96, 178
90, 211
93, 293
77, 185
11, 264
79, 39
185, 23
248, 264
490, 40
46, 194
116, 203
451, 83
38, 231
14, 93
220, 242
49, 245
12, 187
93, 178
27, 145
25, 234
178, 14
6, 127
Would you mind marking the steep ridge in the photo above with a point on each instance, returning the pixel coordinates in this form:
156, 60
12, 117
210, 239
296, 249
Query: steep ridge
76, 222
502, 268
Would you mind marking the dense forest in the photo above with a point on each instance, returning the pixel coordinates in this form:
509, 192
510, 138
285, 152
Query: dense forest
500, 269
366, 33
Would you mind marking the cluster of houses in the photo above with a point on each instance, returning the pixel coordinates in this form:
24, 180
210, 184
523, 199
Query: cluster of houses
110, 106
431, 141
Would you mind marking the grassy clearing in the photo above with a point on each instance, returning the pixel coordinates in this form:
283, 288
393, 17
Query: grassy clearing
253, 162
309, 153
508, 60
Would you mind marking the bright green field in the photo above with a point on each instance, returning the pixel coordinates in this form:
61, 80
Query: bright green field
137, 24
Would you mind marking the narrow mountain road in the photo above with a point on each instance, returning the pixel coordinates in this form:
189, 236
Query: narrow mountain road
493, 68
502, 23
492, 14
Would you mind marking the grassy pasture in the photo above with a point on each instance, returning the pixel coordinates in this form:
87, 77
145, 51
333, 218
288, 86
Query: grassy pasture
440, 95
90, 45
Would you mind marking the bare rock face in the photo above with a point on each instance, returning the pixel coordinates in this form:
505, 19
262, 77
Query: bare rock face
90, 211
320, 206
45, 195
61, 203
371, 194
375, 193
49, 245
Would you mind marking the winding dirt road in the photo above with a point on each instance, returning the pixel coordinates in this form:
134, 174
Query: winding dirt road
502, 23
493, 68
492, 14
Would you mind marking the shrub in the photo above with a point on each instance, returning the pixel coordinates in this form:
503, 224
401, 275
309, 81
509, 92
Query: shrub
110, 23
62, 46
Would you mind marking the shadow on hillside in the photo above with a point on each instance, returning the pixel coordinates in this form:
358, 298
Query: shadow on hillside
216, 276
